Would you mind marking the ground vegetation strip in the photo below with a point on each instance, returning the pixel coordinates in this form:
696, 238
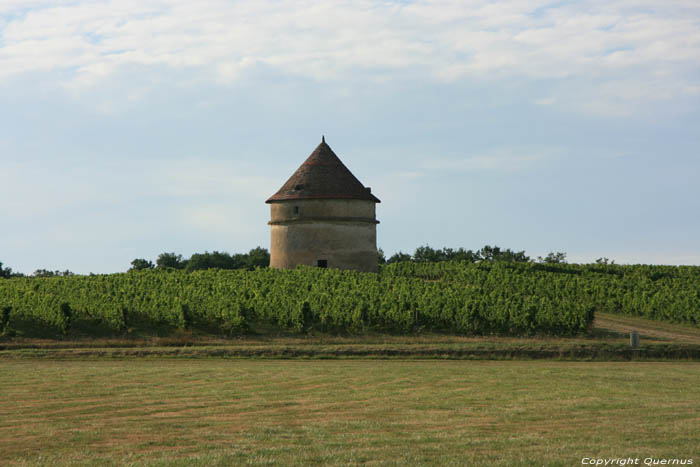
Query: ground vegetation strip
300, 300
608, 340
234, 412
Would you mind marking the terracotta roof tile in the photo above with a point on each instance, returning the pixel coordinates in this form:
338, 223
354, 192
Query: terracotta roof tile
323, 176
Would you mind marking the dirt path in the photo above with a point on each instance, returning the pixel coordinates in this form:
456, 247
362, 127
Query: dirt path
655, 330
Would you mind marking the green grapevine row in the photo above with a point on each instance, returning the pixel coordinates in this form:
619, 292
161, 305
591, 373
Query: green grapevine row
667, 293
467, 301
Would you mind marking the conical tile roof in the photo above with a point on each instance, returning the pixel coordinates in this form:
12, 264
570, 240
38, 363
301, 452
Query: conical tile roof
323, 176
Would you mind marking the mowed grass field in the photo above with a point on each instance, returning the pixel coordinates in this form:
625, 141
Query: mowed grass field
158, 411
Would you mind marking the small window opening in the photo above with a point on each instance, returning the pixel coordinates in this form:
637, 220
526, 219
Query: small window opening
322, 263
298, 187
296, 210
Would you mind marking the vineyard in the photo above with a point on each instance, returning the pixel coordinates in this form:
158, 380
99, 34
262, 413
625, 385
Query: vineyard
484, 298
664, 293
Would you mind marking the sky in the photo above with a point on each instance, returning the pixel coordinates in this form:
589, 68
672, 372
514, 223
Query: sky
132, 128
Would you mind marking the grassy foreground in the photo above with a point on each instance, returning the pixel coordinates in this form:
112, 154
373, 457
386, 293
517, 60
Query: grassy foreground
398, 412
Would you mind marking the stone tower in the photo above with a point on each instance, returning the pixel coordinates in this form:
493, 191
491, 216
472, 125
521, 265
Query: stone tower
323, 216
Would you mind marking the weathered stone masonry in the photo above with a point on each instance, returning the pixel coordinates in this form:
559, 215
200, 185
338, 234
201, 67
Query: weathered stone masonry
323, 216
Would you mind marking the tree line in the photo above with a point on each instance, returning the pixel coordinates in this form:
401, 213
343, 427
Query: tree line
256, 258
426, 254
6, 273
260, 258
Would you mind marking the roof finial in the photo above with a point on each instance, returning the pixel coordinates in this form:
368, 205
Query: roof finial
323, 138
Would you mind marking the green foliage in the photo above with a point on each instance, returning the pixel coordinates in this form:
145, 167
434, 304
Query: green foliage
494, 253
5, 272
56, 273
399, 258
667, 293
258, 258
482, 298
186, 316
255, 258
215, 259
139, 264
5, 320
426, 254
170, 261
462, 297
560, 258
65, 316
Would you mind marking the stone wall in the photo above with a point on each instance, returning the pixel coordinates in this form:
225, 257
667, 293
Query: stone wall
341, 232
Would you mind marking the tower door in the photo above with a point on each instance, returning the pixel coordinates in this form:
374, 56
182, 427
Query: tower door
322, 263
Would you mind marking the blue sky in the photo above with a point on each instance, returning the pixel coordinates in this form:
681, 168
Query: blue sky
130, 128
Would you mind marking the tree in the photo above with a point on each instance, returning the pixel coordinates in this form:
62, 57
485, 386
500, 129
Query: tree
139, 264
462, 255
494, 253
381, 259
239, 261
215, 259
425, 254
56, 273
5, 272
604, 261
399, 257
553, 258
170, 260
258, 258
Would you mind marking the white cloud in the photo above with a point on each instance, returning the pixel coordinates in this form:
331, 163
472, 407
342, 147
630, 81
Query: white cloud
503, 159
60, 188
544, 101
615, 44
196, 177
88, 215
221, 219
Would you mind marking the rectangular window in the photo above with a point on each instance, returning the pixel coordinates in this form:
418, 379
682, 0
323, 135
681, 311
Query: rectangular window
296, 210
322, 263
